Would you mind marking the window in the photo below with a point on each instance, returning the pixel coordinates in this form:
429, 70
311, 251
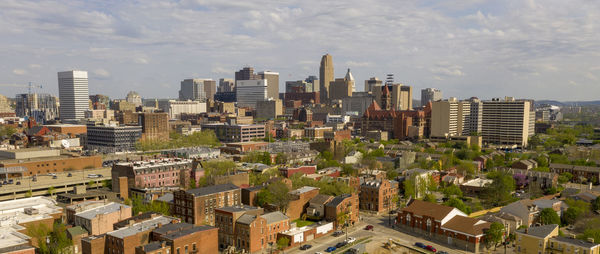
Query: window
177, 250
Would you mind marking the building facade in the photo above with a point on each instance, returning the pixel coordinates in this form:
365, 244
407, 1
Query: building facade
197, 206
325, 76
110, 139
73, 93
430, 95
249, 92
508, 121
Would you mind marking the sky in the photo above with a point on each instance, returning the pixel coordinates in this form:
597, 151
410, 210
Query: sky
544, 49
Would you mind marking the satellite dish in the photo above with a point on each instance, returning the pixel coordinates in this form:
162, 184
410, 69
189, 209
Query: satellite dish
65, 144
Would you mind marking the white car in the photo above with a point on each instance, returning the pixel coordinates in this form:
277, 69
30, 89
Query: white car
350, 240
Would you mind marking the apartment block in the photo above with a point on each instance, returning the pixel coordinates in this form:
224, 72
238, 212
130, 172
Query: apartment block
299, 200
456, 118
181, 238
572, 245
155, 126
226, 218
534, 240
125, 240
343, 204
508, 122
197, 206
236, 133
378, 195
257, 232
100, 220
167, 172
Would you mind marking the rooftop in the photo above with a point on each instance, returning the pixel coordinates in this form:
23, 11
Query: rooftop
246, 219
303, 190
105, 209
27, 210
274, 217
212, 189
155, 163
540, 231
477, 182
576, 242
238, 208
337, 200
419, 207
141, 227
175, 235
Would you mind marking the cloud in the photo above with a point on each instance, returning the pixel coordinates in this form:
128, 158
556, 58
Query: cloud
101, 73
448, 70
357, 64
19, 72
221, 70
34, 66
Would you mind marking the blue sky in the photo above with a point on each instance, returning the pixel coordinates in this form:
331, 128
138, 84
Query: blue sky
527, 49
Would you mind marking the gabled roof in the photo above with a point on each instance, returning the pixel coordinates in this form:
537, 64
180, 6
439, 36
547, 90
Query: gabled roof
419, 207
246, 219
467, 225
320, 199
337, 200
540, 231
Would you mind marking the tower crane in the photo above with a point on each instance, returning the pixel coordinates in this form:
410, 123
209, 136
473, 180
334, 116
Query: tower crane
29, 86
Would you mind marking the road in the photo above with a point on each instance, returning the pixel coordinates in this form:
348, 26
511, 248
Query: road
381, 233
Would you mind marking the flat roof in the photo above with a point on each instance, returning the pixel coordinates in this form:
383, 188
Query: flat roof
212, 189
105, 209
141, 227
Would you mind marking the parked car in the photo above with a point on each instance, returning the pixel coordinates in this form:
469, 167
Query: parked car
330, 249
93, 176
442, 252
54, 177
10, 181
350, 240
338, 233
51, 174
305, 247
430, 248
18, 183
5, 182
34, 178
369, 227
99, 175
69, 175
420, 245
340, 244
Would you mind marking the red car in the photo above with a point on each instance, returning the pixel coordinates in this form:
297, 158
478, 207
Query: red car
430, 248
369, 227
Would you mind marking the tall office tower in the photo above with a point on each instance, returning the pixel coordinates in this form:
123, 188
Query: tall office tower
405, 101
325, 76
430, 95
273, 83
73, 94
342, 87
314, 81
197, 89
455, 118
247, 73
370, 83
134, 98
350, 78
249, 92
507, 122
226, 85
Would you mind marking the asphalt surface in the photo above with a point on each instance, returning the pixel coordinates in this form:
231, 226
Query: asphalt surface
62, 179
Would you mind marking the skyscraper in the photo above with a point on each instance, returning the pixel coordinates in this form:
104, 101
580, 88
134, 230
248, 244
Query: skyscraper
508, 121
226, 85
430, 95
370, 83
197, 89
249, 92
342, 87
73, 94
325, 76
456, 118
247, 73
272, 83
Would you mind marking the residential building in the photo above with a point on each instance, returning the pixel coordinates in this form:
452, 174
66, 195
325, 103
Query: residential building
197, 89
316, 206
249, 92
155, 126
226, 218
182, 238
236, 133
378, 195
304, 170
316, 132
258, 232
524, 210
325, 76
125, 240
100, 220
371, 83
572, 245
476, 186
176, 108
455, 118
41, 107
169, 172
347, 204
544, 180
580, 173
197, 206
299, 200
508, 122
443, 223
269, 109
511, 222
73, 94
111, 139
525, 164
430, 95
534, 240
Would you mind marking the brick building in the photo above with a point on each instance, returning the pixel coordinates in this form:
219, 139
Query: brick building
343, 204
197, 206
155, 126
299, 200
100, 220
236, 132
337, 136
444, 224
316, 206
579, 173
226, 218
181, 238
125, 240
378, 195
51, 164
304, 170
168, 172
255, 232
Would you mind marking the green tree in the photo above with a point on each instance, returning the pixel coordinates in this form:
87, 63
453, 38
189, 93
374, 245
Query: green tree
430, 198
281, 158
596, 204
493, 235
409, 188
458, 204
277, 194
193, 184
282, 243
28, 194
452, 190
549, 216
500, 190
50, 190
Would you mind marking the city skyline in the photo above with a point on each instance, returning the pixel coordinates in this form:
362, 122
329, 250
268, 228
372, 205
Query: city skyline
525, 49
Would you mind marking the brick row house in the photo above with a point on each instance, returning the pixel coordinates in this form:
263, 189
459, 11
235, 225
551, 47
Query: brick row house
591, 174
445, 224
378, 195
197, 206
345, 204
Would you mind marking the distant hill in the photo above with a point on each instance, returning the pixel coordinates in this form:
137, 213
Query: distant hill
568, 103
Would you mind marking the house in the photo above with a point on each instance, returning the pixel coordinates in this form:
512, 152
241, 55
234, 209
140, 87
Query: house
378, 195
257, 232
100, 220
444, 224
475, 186
511, 222
345, 204
197, 206
534, 240
523, 209
453, 178
580, 173
544, 180
181, 238
299, 201
353, 157
225, 220
304, 170
525, 164
316, 206
571, 245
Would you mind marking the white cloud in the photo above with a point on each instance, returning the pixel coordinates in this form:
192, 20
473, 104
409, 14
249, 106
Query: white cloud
19, 72
446, 69
358, 64
102, 73
34, 66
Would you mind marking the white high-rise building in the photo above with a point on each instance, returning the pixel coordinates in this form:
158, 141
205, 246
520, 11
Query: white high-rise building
430, 95
456, 118
508, 121
73, 94
249, 92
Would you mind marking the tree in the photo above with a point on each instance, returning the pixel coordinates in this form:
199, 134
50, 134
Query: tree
50, 240
501, 188
139, 206
281, 158
28, 194
277, 194
409, 188
596, 204
430, 198
458, 204
283, 242
50, 190
494, 234
549, 216
193, 183
576, 209
452, 190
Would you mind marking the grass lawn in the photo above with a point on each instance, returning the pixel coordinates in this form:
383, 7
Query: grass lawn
301, 223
